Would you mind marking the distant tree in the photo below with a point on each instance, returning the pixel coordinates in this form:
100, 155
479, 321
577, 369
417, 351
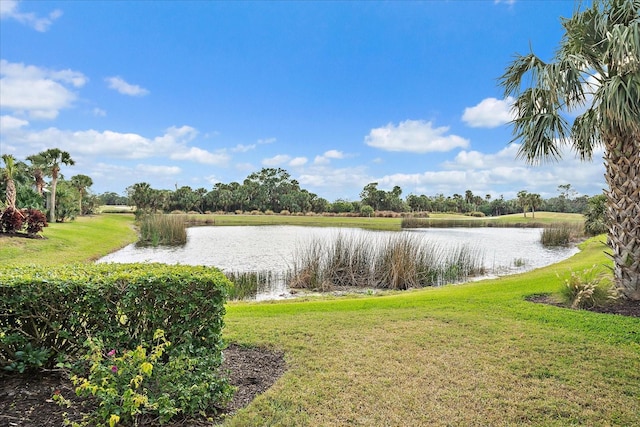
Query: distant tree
49, 161
523, 201
81, 183
534, 201
595, 218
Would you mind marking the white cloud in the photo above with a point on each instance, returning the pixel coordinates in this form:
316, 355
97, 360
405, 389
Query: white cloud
489, 113
501, 173
37, 91
334, 154
9, 10
414, 136
158, 169
8, 123
173, 144
199, 155
241, 148
99, 112
266, 141
277, 160
117, 83
298, 161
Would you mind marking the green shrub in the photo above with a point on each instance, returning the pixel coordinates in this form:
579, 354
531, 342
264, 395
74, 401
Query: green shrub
51, 312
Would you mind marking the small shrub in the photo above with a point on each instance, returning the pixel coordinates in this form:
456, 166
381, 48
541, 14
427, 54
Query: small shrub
11, 220
36, 221
587, 289
256, 212
285, 212
268, 212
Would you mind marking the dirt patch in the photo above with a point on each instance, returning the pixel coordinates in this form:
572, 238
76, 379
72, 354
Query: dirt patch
621, 307
27, 400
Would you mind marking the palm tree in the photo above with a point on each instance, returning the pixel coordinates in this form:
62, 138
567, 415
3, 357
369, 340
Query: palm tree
534, 201
49, 161
523, 201
81, 183
37, 164
596, 70
8, 173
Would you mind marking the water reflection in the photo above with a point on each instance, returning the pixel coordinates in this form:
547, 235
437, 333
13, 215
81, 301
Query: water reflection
273, 248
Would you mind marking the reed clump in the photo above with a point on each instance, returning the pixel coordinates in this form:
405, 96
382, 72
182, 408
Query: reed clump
161, 229
562, 234
246, 284
397, 262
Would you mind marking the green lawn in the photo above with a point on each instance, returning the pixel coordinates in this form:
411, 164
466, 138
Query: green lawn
82, 240
476, 354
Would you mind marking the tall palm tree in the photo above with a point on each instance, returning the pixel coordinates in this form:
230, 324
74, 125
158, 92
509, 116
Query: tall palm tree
596, 70
49, 161
81, 183
534, 201
8, 173
37, 164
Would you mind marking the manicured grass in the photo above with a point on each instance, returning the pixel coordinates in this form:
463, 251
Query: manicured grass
474, 354
82, 240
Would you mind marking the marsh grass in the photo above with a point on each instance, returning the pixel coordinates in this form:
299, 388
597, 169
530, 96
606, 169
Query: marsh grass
396, 262
159, 229
247, 284
561, 234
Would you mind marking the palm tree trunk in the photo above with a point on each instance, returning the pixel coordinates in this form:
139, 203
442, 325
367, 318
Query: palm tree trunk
52, 208
11, 193
623, 209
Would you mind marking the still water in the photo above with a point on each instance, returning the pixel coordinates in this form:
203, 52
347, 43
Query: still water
273, 248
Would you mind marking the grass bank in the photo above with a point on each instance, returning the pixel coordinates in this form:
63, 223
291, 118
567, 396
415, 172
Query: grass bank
391, 224
474, 354
83, 240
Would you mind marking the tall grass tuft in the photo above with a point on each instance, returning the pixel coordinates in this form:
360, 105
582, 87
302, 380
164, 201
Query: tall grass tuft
588, 289
398, 262
561, 234
159, 229
247, 284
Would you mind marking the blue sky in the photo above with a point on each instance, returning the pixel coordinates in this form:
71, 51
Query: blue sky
340, 94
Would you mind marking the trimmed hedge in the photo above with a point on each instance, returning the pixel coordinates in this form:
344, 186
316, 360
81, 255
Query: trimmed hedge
121, 304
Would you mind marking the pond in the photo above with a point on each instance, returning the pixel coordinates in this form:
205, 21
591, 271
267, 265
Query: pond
273, 248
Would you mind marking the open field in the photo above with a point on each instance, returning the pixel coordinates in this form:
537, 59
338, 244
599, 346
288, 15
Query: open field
472, 354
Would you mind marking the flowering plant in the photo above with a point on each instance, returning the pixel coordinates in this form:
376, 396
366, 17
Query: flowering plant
123, 384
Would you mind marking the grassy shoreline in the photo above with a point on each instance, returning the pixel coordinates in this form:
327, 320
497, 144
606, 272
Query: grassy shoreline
470, 354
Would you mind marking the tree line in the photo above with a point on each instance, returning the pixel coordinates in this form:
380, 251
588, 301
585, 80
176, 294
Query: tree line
274, 190
25, 187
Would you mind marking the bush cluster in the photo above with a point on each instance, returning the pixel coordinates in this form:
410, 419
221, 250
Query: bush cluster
16, 220
47, 315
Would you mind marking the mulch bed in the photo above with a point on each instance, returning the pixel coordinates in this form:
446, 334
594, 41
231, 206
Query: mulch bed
27, 401
620, 307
